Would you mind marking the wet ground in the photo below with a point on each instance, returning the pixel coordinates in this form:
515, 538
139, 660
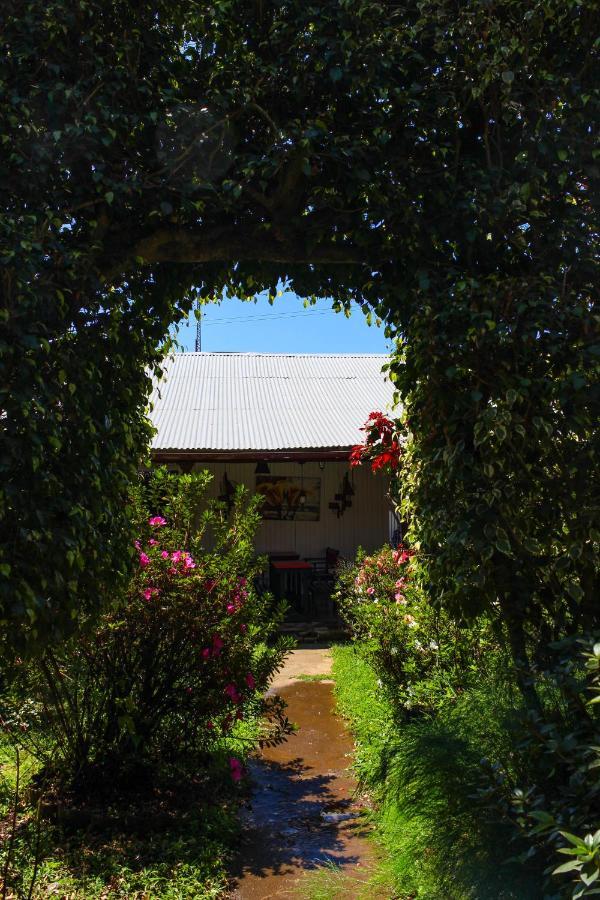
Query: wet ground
304, 814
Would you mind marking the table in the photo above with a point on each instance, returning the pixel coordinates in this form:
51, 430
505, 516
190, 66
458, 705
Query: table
290, 580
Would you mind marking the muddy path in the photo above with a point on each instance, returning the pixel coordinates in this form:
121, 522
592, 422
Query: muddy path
304, 814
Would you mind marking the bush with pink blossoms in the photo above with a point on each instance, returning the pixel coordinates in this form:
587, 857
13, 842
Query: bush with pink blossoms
179, 660
421, 655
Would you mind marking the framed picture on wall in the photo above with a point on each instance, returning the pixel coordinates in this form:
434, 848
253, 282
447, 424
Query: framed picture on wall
291, 498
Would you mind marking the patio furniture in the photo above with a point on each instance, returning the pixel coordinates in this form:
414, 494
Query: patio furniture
290, 579
323, 581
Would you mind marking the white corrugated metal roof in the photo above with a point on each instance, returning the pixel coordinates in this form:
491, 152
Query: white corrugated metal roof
266, 401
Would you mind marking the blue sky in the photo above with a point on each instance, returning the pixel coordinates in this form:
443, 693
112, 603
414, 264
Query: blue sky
285, 327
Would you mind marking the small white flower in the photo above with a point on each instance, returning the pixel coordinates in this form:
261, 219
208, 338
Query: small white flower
433, 645
418, 645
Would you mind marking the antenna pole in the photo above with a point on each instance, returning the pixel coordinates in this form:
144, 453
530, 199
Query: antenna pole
198, 346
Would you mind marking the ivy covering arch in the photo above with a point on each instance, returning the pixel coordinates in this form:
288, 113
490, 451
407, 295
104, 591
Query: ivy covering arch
432, 161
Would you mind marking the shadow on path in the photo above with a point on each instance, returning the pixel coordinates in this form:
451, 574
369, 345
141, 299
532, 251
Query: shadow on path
303, 813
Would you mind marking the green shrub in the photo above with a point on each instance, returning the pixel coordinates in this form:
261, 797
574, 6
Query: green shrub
421, 655
163, 675
551, 789
543, 783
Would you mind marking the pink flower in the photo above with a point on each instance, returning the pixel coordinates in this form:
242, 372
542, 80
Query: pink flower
137, 545
401, 555
144, 560
230, 608
210, 725
152, 542
176, 556
206, 653
250, 681
165, 554
243, 628
232, 692
217, 643
401, 582
400, 598
236, 769
147, 593
157, 521
188, 562
370, 590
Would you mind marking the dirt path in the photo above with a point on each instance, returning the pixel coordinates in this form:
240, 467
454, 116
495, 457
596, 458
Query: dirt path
303, 814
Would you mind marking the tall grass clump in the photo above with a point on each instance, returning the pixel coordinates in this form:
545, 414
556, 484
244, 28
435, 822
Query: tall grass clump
423, 774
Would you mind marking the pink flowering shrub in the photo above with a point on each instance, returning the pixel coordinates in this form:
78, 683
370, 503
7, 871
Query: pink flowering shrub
421, 656
180, 659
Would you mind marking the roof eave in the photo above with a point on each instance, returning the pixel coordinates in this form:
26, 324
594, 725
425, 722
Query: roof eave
308, 454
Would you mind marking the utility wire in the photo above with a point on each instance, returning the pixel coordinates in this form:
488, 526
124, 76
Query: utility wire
269, 318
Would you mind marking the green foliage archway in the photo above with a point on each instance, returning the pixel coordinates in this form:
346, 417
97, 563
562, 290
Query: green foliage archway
432, 161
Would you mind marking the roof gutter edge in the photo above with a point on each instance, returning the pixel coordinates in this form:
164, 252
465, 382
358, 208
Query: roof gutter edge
310, 454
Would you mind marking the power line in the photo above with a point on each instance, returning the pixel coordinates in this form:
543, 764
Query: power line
320, 312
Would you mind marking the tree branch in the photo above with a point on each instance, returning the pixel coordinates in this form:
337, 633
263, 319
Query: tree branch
182, 245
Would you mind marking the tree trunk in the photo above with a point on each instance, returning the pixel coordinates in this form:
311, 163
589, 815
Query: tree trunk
518, 649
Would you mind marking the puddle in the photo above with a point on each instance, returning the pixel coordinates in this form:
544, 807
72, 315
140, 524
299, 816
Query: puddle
303, 814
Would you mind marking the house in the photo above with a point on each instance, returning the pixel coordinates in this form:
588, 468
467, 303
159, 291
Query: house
283, 425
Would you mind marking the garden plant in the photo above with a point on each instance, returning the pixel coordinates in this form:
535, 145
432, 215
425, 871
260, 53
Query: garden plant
169, 678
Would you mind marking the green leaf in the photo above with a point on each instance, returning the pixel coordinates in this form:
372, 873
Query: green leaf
572, 839
502, 543
575, 591
567, 867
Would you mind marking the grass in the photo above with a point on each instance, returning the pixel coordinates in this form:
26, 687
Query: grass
172, 839
330, 882
309, 678
422, 775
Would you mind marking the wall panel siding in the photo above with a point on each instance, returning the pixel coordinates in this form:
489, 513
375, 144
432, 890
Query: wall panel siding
365, 524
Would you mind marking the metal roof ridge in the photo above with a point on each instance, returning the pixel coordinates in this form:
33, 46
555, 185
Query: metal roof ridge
260, 353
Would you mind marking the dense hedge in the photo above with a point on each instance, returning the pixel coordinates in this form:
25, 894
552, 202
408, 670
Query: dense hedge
434, 162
